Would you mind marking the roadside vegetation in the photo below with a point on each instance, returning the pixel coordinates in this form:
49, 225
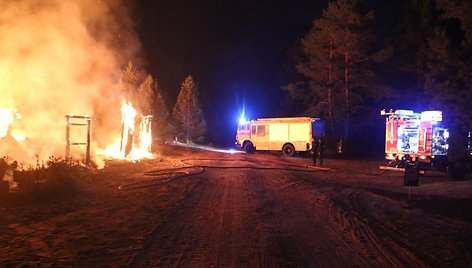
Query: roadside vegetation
57, 178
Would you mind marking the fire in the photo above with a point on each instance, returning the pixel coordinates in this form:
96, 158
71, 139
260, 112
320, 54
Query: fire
7, 117
136, 135
128, 116
49, 69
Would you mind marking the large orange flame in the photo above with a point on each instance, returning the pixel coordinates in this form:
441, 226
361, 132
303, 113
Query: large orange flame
136, 136
7, 117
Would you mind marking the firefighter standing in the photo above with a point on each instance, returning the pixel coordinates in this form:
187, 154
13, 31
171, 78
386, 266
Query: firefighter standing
317, 148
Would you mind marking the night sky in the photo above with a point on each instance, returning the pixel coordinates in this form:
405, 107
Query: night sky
235, 50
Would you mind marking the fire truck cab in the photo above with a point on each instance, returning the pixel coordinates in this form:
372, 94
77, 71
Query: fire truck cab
289, 134
421, 138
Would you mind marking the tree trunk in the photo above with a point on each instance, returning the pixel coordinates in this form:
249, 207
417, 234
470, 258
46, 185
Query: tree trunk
346, 86
330, 119
188, 114
330, 82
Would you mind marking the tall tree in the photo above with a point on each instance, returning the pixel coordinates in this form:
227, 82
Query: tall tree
448, 72
459, 10
338, 66
140, 94
317, 64
188, 113
410, 47
433, 46
162, 126
144, 96
129, 78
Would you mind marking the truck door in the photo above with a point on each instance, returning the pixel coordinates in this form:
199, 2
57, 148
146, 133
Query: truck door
260, 138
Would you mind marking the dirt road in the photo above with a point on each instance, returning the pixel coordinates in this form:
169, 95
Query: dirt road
241, 210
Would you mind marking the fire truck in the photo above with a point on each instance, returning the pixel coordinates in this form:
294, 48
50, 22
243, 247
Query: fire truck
289, 135
423, 140
420, 139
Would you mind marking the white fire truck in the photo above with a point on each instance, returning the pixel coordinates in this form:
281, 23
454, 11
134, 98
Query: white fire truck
289, 134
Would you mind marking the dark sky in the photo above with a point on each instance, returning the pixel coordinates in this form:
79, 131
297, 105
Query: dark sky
235, 50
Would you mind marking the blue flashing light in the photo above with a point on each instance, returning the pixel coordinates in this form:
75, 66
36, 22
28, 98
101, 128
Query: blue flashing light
435, 116
242, 120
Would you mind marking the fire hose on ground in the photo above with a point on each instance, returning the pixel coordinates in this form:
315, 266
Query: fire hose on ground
164, 176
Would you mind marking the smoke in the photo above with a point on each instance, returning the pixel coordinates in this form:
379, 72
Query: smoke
58, 58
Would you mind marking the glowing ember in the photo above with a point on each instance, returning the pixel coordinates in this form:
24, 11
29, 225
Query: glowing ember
136, 135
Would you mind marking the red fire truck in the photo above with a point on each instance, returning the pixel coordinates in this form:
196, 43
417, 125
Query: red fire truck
416, 137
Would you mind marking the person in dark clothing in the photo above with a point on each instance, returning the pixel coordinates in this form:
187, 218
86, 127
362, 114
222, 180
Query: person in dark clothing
321, 151
317, 148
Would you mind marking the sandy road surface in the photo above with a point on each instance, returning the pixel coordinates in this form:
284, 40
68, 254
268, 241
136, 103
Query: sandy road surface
243, 210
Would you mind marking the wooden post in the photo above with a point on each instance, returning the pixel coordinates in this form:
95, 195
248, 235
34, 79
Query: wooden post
87, 152
67, 137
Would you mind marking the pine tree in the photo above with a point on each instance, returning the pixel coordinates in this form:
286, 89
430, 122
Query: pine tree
459, 10
129, 78
410, 47
319, 47
161, 123
433, 45
448, 82
144, 96
448, 72
141, 95
338, 67
188, 114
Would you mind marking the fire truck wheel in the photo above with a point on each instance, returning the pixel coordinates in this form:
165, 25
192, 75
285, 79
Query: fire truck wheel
288, 150
249, 148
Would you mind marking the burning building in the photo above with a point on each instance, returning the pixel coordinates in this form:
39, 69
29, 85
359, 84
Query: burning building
136, 135
60, 58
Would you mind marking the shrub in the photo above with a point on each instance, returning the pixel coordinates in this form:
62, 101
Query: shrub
58, 177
